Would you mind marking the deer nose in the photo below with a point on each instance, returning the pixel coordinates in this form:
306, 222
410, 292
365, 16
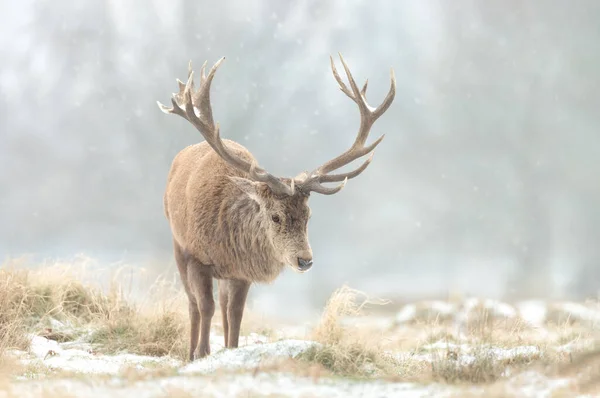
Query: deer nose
304, 264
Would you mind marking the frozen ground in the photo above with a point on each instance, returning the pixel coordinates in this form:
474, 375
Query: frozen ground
79, 369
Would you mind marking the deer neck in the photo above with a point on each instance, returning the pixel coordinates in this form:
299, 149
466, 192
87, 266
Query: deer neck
251, 248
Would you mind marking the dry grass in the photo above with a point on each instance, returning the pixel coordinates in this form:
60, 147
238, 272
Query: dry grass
33, 299
28, 299
156, 327
484, 366
363, 352
345, 350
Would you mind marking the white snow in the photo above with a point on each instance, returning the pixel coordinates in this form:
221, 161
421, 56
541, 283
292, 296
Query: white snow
82, 359
527, 385
434, 309
511, 353
533, 311
233, 385
466, 354
579, 312
494, 308
446, 345
460, 312
249, 356
53, 355
534, 384
407, 313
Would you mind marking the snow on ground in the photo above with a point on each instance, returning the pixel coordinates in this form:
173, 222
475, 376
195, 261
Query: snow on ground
534, 384
577, 312
228, 373
198, 378
533, 312
467, 354
249, 356
83, 359
232, 385
206, 377
79, 357
528, 385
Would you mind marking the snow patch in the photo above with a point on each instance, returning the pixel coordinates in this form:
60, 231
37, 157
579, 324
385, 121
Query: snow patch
494, 308
578, 312
248, 356
535, 384
233, 385
466, 354
52, 355
533, 311
407, 314
433, 309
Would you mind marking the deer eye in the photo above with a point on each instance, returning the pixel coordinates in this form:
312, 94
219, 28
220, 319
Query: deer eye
276, 218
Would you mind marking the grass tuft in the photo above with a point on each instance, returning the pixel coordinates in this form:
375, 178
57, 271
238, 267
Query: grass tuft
343, 349
54, 302
157, 335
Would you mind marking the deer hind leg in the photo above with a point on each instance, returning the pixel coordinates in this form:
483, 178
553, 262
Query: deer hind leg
201, 284
181, 258
238, 291
223, 303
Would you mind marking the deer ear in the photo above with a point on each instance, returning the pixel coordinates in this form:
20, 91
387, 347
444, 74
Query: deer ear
247, 186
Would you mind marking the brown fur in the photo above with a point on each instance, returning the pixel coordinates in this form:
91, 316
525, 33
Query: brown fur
223, 228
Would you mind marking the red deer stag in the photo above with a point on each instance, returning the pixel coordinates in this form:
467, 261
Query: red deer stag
233, 221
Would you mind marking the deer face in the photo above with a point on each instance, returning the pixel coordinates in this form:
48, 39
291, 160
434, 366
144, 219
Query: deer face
284, 221
287, 219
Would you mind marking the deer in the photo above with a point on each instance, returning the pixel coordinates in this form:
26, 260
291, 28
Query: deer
234, 222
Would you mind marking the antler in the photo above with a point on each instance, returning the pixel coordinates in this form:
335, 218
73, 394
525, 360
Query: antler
195, 107
368, 115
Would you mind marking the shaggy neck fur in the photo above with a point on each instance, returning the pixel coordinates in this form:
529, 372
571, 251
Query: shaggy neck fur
243, 238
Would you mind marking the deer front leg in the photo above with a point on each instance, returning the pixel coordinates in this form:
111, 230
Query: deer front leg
182, 259
238, 291
194, 326
201, 284
223, 303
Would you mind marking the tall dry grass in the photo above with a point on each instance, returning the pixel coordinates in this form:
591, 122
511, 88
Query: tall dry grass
34, 300
344, 349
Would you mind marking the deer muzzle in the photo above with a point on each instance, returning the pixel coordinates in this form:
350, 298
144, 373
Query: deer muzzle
304, 264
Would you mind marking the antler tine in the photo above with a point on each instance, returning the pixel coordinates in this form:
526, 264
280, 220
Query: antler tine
202, 97
190, 74
368, 116
389, 98
202, 73
363, 92
341, 83
181, 86
357, 97
314, 186
350, 174
196, 108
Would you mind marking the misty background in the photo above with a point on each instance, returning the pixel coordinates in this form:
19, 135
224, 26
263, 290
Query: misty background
486, 182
